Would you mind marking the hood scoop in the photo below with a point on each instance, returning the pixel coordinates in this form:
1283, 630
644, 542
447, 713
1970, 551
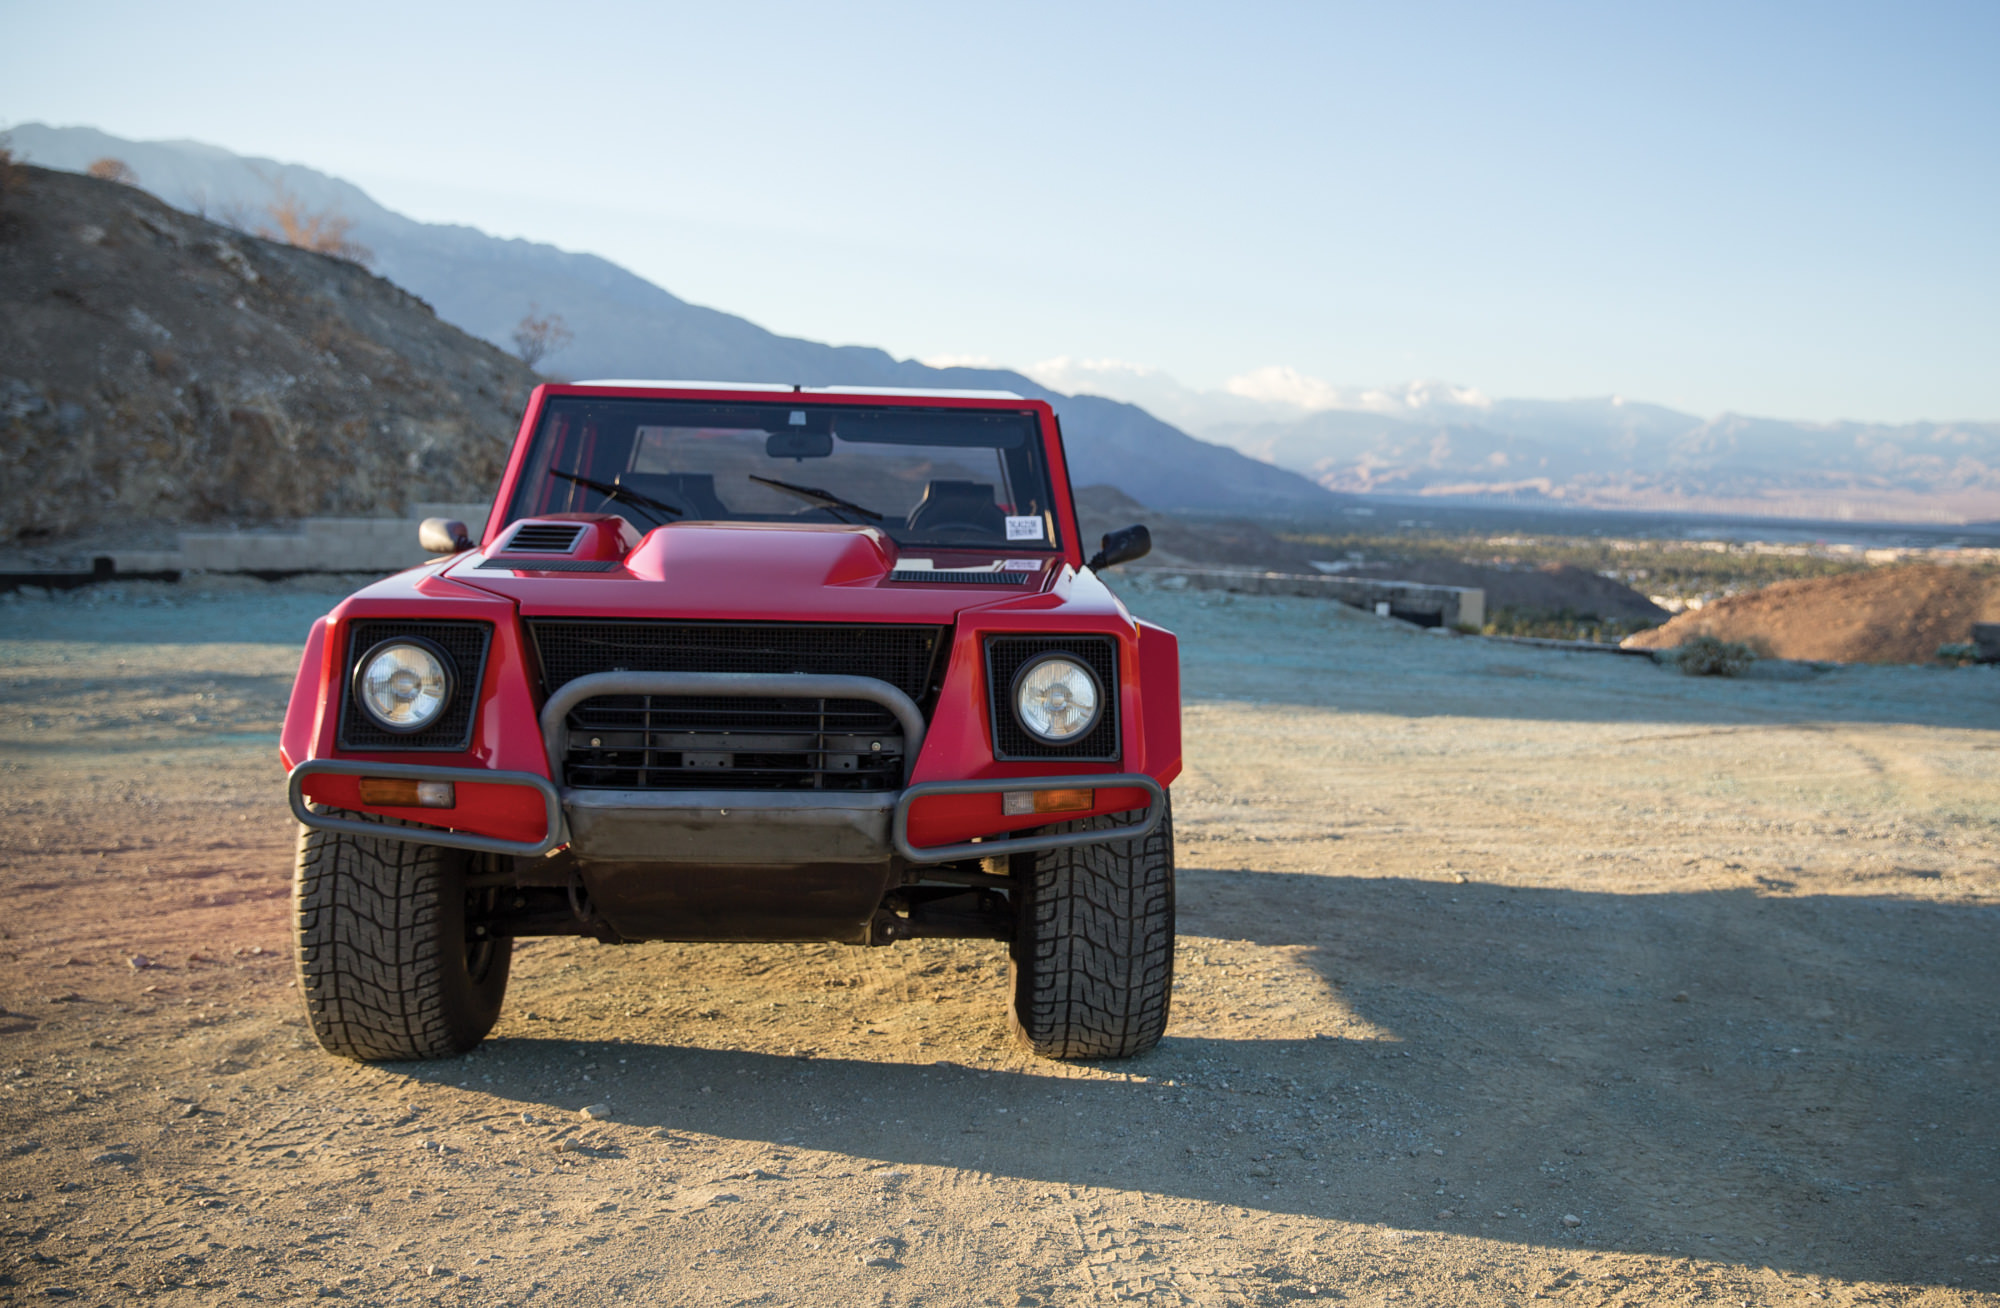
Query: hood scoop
771, 556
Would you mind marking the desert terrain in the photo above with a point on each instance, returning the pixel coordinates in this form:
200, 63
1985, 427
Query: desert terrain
1506, 974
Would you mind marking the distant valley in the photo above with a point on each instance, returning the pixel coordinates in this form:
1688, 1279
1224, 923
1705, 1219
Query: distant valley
1609, 454
1447, 443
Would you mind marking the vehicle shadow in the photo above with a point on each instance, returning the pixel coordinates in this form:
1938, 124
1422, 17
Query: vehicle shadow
1799, 1082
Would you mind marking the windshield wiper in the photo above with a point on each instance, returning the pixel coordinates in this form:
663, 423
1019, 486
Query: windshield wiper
822, 498
613, 491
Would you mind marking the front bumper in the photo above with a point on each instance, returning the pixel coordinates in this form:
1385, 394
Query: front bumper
556, 833
725, 827
718, 828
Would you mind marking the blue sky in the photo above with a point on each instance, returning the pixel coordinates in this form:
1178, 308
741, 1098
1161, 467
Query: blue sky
1776, 209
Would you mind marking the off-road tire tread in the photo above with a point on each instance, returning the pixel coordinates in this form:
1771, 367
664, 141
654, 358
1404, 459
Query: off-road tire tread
375, 949
1093, 953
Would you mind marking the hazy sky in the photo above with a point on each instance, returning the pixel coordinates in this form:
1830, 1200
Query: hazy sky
1778, 209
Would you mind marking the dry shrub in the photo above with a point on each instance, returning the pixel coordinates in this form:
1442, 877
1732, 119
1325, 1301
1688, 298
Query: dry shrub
1711, 656
108, 169
12, 182
323, 231
539, 335
1959, 654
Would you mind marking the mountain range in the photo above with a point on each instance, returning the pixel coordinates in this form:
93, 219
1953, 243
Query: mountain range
1434, 440
624, 326
1270, 440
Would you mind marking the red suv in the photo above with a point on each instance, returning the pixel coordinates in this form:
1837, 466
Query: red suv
753, 663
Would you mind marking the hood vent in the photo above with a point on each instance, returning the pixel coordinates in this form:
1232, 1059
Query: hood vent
544, 538
949, 578
550, 565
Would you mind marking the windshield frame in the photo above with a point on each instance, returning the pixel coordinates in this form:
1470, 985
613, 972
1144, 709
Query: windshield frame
1061, 509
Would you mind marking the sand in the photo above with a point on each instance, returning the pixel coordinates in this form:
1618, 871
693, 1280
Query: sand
1505, 974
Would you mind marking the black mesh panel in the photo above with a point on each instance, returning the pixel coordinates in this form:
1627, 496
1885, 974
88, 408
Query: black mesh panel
720, 742
464, 643
903, 656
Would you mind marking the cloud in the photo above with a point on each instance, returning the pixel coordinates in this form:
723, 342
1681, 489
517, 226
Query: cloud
1287, 387
1278, 384
1273, 393
1063, 363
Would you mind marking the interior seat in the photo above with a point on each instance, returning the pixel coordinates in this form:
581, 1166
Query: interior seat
959, 508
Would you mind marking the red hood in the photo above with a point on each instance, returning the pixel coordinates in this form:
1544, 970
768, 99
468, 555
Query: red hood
781, 572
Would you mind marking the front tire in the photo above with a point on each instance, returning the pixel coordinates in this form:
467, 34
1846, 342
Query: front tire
383, 959
1092, 962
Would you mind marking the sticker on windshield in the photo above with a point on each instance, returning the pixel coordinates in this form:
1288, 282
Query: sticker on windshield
1021, 565
1023, 528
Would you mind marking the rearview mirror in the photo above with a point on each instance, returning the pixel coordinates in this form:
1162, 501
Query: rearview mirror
799, 444
444, 536
1122, 547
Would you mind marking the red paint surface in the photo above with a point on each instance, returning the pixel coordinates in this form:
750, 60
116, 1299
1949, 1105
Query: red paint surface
483, 808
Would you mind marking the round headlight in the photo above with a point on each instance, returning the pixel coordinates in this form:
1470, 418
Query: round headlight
1056, 699
403, 684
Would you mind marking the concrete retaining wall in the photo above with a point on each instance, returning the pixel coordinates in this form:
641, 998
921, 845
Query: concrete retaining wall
314, 545
1425, 605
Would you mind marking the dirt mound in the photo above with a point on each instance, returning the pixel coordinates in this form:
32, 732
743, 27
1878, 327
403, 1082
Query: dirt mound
158, 368
1890, 615
1553, 588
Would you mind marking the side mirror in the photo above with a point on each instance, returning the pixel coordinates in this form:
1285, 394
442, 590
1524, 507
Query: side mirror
444, 536
1122, 547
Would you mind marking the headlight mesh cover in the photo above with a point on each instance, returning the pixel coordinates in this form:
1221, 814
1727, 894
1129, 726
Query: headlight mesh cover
464, 643
1005, 656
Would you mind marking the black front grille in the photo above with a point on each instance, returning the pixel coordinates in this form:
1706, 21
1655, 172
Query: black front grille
904, 656
1004, 657
688, 742
680, 742
464, 643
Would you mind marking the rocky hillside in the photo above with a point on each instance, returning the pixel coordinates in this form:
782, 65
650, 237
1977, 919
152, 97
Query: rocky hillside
158, 368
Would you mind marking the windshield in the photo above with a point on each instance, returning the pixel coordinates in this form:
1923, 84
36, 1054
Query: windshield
954, 478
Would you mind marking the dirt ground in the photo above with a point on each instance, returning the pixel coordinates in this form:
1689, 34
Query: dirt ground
1887, 615
1506, 974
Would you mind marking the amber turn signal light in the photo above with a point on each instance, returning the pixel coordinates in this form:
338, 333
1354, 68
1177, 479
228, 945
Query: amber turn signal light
381, 792
1015, 803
